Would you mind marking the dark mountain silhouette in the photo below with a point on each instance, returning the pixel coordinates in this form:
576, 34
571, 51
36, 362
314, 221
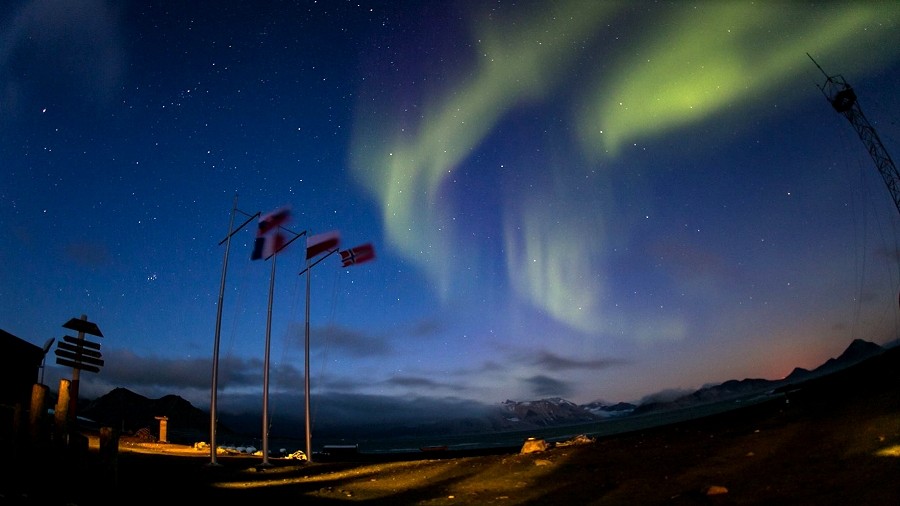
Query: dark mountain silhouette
858, 351
130, 412
542, 413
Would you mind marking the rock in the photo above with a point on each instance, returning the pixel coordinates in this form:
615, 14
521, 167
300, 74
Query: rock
577, 440
533, 445
716, 490
297, 455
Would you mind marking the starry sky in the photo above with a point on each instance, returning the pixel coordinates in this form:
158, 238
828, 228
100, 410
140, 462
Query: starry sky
592, 200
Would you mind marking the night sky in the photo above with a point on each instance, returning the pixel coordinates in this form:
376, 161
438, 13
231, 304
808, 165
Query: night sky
579, 199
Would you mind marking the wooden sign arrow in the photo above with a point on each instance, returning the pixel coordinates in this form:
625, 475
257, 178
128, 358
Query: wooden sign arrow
81, 342
74, 348
83, 326
77, 365
78, 357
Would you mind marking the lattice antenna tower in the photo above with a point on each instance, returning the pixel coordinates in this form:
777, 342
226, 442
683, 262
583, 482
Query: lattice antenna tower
843, 99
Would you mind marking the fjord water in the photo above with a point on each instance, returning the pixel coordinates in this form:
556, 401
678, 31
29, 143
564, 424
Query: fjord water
513, 440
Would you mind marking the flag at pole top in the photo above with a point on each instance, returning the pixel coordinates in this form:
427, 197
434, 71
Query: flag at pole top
358, 254
269, 239
320, 243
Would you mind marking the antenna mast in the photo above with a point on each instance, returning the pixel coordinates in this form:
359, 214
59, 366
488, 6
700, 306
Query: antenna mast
843, 99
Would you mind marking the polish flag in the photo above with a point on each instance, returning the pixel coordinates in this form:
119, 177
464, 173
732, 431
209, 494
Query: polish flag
320, 243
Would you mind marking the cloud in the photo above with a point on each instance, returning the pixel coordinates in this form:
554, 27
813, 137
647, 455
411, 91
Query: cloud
154, 377
240, 380
421, 384
347, 341
667, 395
428, 327
552, 361
545, 386
350, 414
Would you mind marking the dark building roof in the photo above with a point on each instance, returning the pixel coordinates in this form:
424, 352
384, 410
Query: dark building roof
19, 371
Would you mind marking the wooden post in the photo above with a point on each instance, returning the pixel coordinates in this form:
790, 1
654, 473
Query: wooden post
109, 453
163, 428
61, 413
38, 412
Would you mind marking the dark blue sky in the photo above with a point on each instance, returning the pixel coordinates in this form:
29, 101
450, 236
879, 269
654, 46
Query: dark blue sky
589, 200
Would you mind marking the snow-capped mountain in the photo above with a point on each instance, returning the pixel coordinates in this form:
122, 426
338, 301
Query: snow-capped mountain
129, 411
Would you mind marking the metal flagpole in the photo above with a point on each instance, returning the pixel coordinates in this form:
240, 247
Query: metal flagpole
215, 362
265, 419
306, 366
309, 457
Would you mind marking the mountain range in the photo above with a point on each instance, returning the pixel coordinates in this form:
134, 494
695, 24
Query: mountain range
132, 413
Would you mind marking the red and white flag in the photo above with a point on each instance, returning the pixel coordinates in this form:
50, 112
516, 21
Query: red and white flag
358, 254
269, 239
320, 243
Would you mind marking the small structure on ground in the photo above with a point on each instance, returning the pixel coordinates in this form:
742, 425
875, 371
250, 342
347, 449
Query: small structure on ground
533, 445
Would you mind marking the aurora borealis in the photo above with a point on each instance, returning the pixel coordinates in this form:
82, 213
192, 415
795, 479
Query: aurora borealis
589, 200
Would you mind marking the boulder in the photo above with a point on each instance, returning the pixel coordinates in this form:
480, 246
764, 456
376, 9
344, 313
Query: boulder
533, 445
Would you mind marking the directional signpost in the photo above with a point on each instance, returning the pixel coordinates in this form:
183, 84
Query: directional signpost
79, 354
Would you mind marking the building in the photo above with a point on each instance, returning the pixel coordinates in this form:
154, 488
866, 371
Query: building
21, 368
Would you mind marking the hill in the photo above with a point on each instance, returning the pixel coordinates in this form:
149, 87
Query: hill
130, 412
856, 352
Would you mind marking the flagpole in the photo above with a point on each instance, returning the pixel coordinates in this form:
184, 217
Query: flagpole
265, 419
306, 366
215, 362
309, 456
314, 246
370, 255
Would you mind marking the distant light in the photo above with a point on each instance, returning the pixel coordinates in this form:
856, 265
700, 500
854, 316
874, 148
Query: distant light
890, 451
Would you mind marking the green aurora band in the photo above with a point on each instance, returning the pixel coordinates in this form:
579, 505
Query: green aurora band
702, 62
